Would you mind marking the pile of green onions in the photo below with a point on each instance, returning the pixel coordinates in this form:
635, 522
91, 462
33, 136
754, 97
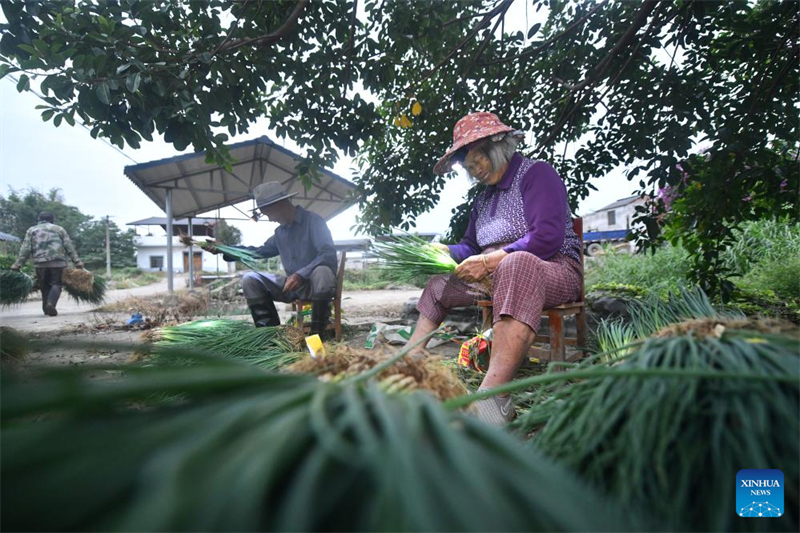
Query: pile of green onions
221, 446
267, 348
677, 417
407, 257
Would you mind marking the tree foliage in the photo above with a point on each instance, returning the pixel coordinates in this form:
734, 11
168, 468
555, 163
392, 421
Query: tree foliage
91, 245
599, 85
20, 210
227, 234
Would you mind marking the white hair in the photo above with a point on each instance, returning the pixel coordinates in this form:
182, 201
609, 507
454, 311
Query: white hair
499, 149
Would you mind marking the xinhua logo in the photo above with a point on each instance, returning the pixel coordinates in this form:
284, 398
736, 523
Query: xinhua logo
759, 493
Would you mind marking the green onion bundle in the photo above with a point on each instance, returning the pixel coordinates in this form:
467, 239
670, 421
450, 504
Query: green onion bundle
249, 259
651, 315
14, 287
245, 450
673, 422
408, 257
96, 296
268, 348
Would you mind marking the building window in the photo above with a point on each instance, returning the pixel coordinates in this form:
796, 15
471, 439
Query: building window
612, 218
157, 261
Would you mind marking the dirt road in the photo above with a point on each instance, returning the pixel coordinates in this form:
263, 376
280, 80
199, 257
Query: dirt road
358, 307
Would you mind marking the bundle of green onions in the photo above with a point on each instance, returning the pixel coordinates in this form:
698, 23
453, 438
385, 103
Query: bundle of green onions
96, 296
249, 259
407, 257
245, 450
678, 417
653, 314
14, 287
268, 348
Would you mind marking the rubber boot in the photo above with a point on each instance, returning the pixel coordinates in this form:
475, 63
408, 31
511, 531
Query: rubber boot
52, 300
263, 312
320, 317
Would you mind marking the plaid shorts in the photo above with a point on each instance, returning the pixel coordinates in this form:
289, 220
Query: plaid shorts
522, 286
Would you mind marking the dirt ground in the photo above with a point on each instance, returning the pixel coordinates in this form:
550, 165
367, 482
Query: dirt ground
80, 335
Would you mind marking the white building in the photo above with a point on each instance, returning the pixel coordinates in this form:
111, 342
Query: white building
151, 256
151, 246
613, 217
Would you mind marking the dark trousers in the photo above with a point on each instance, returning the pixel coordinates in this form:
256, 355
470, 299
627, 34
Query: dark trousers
50, 284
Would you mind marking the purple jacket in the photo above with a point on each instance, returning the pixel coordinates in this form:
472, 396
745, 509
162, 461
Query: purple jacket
527, 208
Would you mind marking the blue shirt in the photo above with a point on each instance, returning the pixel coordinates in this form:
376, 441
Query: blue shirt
302, 245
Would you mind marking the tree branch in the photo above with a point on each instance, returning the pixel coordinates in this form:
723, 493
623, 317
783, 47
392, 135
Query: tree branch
270, 38
485, 42
482, 24
350, 44
550, 41
591, 78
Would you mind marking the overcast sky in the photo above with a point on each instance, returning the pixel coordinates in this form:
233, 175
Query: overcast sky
35, 154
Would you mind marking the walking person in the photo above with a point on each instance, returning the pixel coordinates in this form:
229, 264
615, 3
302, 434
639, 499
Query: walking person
50, 246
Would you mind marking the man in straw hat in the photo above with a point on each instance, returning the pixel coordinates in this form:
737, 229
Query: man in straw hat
305, 246
50, 246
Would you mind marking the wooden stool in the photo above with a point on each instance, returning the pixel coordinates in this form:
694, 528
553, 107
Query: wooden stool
557, 339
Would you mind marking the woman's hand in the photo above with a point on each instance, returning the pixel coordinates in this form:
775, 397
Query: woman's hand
472, 269
477, 267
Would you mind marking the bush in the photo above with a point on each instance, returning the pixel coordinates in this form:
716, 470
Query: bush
659, 272
779, 275
762, 242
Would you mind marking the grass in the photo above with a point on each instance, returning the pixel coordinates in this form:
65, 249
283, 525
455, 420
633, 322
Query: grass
763, 260
128, 278
659, 272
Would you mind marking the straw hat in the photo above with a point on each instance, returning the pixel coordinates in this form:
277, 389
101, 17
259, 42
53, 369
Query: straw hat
269, 193
471, 128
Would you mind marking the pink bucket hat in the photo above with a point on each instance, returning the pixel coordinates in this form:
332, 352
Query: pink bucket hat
471, 128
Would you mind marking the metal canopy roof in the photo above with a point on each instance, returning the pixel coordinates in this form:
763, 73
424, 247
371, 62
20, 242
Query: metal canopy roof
7, 237
162, 221
199, 187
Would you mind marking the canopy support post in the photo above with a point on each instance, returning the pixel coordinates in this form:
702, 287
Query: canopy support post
191, 257
170, 286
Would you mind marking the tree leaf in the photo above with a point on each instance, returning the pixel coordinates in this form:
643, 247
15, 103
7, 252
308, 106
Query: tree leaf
132, 82
24, 84
534, 29
6, 69
103, 93
416, 109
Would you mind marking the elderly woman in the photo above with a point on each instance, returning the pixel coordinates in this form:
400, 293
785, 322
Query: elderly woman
520, 235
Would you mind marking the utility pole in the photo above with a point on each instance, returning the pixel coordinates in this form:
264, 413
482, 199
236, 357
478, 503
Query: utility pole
108, 251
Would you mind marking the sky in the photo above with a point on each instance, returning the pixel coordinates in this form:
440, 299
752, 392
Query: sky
36, 154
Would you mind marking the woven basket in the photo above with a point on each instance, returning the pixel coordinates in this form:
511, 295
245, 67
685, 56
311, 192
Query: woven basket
79, 279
